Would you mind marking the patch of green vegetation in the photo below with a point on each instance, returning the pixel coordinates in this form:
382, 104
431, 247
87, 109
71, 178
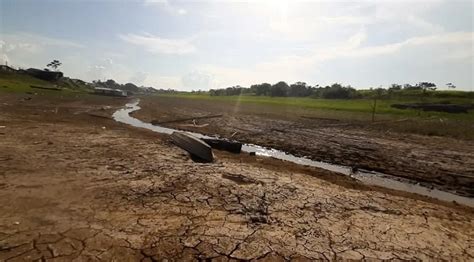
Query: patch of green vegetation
21, 83
357, 111
342, 105
16, 82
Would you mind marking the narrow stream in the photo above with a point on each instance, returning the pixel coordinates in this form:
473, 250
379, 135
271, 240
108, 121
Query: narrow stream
366, 177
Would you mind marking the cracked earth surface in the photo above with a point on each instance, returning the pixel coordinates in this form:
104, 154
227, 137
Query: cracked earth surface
79, 188
440, 162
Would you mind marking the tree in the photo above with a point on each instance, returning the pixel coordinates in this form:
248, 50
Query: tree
337, 91
280, 89
450, 85
299, 89
130, 87
261, 89
394, 87
411, 87
426, 86
54, 64
378, 93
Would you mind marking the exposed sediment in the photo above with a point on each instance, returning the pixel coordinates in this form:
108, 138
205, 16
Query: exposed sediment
76, 187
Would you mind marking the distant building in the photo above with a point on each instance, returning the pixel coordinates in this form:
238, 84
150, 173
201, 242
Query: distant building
6, 68
109, 92
44, 74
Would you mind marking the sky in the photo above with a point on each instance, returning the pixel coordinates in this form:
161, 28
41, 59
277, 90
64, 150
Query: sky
191, 45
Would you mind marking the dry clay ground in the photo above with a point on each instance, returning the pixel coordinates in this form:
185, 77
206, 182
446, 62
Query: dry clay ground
79, 188
441, 162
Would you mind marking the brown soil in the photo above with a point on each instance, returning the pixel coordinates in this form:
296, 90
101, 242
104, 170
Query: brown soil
440, 162
77, 187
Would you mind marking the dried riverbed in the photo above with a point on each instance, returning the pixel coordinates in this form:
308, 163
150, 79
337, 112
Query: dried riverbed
366, 177
75, 186
438, 162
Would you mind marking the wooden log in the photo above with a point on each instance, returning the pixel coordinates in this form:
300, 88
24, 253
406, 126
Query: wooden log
193, 145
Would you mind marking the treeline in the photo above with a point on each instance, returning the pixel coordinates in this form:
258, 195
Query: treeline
282, 89
334, 91
131, 88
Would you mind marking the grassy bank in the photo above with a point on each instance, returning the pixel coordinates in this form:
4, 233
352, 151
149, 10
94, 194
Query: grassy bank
21, 83
358, 111
363, 107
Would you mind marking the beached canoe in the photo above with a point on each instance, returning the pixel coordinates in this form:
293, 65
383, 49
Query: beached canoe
193, 145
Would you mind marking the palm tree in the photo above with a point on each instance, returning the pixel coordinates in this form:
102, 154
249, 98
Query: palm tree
54, 64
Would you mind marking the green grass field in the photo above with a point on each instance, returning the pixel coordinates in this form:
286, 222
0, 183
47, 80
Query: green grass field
21, 83
363, 106
359, 110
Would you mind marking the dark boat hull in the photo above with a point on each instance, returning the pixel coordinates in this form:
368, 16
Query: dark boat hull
221, 144
193, 145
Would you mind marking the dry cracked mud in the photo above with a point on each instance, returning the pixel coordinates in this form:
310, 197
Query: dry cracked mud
80, 188
441, 162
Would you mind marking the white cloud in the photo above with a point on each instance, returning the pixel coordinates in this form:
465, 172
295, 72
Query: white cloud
170, 8
158, 45
31, 43
147, 2
310, 20
109, 61
26, 49
295, 68
138, 78
453, 39
95, 72
5, 59
27, 40
197, 80
163, 82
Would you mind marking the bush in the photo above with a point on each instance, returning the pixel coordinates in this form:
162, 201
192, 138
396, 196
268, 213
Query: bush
337, 91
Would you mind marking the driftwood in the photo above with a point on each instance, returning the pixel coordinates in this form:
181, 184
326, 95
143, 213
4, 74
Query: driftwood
222, 144
193, 145
47, 88
156, 122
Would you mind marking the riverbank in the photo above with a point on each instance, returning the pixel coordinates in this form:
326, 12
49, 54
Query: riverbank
439, 162
77, 185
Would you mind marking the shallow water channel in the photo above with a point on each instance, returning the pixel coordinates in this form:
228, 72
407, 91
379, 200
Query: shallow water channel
366, 177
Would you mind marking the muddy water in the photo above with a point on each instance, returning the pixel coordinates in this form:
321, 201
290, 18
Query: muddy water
367, 177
